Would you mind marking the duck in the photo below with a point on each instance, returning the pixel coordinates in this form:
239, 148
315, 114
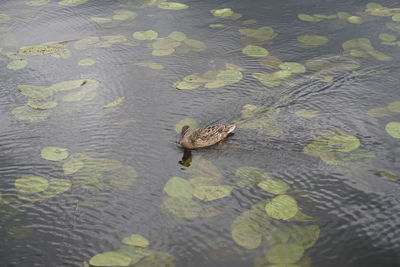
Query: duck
204, 137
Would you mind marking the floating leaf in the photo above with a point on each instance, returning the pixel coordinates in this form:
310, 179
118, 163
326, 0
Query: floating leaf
56, 187
190, 122
54, 153
182, 207
364, 46
246, 234
179, 188
355, 19
31, 184
199, 181
285, 253
282, 207
72, 2
136, 240
212, 192
393, 129
157, 259
36, 92
110, 258
177, 36
255, 51
379, 112
205, 168
115, 103
314, 40
183, 85
308, 18
386, 175
172, 6
272, 185
150, 64
86, 62
343, 142
27, 113
249, 176
67, 85
145, 35
293, 67
307, 113
387, 37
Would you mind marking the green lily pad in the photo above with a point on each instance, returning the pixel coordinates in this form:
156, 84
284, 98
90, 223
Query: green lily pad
74, 96
249, 176
17, 64
272, 185
394, 106
179, 188
26, 113
261, 34
199, 181
182, 207
205, 168
72, 165
86, 62
307, 113
31, 184
306, 236
308, 18
145, 35
379, 112
285, 253
364, 47
314, 40
282, 207
172, 6
110, 258
67, 85
162, 52
38, 50
150, 64
54, 153
222, 13
188, 121
136, 240
343, 142
386, 175
246, 234
157, 259
196, 45
293, 67
255, 51
212, 192
183, 85
393, 129
40, 105
35, 92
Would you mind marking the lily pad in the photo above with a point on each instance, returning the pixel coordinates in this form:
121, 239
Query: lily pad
179, 188
182, 207
343, 142
86, 62
261, 34
393, 129
136, 240
364, 46
72, 165
110, 258
35, 92
255, 51
249, 176
177, 36
314, 40
41, 105
188, 121
72, 2
145, 35
205, 168
67, 85
285, 253
184, 85
387, 37
246, 234
272, 185
172, 6
308, 18
212, 192
56, 187
38, 50
123, 14
27, 113
196, 45
394, 106
157, 259
355, 19
388, 176
282, 207
151, 65
115, 103
54, 153
31, 184
17, 64
306, 236
305, 113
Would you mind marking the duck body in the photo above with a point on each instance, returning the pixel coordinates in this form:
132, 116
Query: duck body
204, 137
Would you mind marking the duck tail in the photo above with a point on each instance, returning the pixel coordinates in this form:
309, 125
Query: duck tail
231, 128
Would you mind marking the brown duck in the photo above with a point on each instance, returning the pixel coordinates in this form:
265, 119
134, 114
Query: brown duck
204, 137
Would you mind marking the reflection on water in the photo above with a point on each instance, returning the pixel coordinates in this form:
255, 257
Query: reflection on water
93, 97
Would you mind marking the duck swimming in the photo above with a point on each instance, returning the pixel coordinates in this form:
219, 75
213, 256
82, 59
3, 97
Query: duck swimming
204, 137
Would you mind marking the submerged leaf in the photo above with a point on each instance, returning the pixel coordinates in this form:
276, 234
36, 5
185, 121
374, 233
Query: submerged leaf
285, 253
111, 258
179, 188
249, 176
182, 207
255, 51
27, 113
72, 165
314, 40
212, 192
31, 184
273, 185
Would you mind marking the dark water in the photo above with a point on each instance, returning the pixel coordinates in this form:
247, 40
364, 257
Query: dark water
356, 210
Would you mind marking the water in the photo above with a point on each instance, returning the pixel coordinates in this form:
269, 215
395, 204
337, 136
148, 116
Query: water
355, 209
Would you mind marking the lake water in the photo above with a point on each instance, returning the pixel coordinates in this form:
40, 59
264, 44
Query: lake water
94, 93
